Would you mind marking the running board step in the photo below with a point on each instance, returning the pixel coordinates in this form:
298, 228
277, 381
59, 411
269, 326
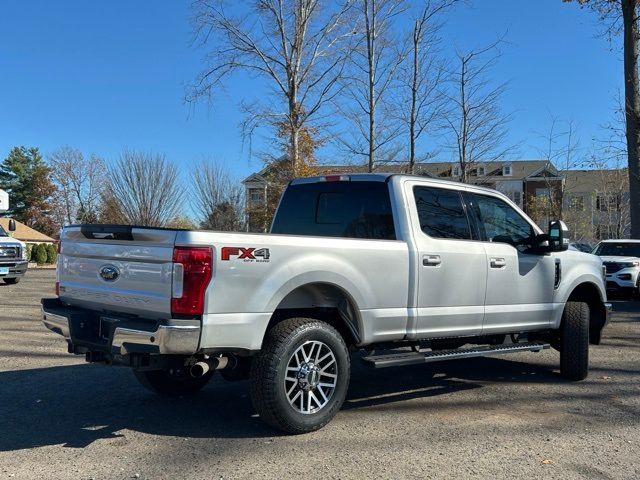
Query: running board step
414, 358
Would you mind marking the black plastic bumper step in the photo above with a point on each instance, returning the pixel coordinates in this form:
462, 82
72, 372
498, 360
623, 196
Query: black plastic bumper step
414, 358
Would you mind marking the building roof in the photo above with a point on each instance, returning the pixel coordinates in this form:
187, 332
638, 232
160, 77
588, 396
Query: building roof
595, 180
520, 169
25, 233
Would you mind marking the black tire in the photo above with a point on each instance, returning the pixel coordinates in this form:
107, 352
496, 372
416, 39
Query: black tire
269, 371
11, 281
171, 383
574, 341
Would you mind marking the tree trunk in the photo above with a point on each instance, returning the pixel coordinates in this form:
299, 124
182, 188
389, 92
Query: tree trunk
414, 99
370, 26
294, 151
294, 127
632, 109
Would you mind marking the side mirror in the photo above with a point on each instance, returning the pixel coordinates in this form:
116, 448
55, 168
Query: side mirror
558, 236
12, 225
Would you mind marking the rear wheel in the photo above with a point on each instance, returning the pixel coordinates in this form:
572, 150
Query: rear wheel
11, 281
171, 382
299, 380
574, 341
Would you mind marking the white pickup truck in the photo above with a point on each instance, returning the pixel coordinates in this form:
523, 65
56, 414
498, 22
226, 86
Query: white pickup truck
13, 256
417, 269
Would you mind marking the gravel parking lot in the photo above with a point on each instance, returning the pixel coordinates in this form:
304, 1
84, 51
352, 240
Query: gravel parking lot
507, 417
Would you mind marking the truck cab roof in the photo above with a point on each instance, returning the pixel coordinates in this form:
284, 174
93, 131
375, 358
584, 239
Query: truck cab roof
384, 177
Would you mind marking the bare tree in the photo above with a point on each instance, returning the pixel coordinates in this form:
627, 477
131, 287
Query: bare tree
81, 181
611, 144
423, 101
374, 66
145, 188
297, 46
612, 191
623, 17
475, 122
217, 199
564, 153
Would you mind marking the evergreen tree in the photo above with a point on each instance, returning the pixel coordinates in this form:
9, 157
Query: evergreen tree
26, 177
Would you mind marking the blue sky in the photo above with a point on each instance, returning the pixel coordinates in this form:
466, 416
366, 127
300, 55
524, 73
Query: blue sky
101, 76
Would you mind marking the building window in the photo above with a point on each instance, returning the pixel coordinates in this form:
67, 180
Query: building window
256, 197
576, 203
455, 171
543, 192
506, 170
517, 198
607, 202
481, 171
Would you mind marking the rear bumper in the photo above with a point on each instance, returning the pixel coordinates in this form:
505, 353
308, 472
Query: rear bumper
91, 331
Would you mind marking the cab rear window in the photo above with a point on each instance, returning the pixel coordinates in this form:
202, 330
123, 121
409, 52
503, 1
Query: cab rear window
336, 209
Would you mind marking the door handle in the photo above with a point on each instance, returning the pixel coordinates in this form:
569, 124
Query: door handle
498, 263
431, 260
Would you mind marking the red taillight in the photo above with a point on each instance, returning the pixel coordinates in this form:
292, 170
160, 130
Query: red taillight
337, 178
57, 289
197, 265
59, 246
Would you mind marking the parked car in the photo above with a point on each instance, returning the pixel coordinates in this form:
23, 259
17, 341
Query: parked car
621, 259
354, 262
13, 256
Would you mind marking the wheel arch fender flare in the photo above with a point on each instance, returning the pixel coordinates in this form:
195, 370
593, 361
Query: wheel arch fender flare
322, 290
588, 289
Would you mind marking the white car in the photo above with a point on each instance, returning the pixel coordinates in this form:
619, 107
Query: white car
621, 258
371, 262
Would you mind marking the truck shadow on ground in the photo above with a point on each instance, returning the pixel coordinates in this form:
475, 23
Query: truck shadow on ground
78, 405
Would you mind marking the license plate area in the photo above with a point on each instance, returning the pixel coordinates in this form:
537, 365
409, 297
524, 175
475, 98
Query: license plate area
4, 270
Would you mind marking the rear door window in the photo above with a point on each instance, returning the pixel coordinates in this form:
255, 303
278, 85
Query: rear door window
336, 209
442, 213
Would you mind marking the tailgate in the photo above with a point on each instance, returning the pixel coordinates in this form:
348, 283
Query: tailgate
117, 268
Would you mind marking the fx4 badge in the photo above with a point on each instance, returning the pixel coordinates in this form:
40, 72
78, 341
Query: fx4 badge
245, 254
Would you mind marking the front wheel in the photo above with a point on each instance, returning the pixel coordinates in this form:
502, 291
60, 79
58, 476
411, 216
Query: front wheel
171, 382
299, 380
574, 341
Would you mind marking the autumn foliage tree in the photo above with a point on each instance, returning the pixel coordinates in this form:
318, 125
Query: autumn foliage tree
279, 171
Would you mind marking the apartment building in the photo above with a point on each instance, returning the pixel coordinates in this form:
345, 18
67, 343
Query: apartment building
594, 202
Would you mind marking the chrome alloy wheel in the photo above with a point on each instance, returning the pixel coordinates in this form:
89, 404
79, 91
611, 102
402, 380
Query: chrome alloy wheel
312, 375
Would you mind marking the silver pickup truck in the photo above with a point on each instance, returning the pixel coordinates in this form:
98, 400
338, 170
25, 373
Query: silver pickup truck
404, 269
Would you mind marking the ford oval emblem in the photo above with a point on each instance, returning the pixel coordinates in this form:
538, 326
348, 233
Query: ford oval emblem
109, 273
